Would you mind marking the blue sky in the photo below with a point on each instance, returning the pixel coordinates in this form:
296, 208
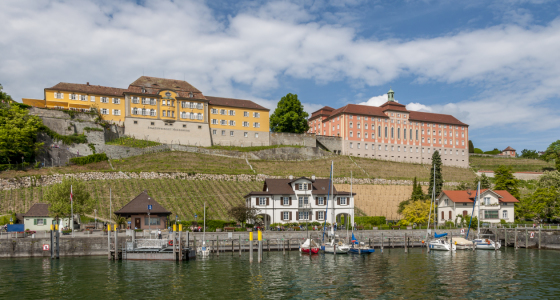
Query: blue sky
493, 64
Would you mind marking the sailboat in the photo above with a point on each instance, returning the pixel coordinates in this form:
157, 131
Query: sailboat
204, 250
480, 243
437, 243
309, 246
334, 245
360, 248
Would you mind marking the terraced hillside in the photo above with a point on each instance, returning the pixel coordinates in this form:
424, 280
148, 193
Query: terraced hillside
517, 164
182, 197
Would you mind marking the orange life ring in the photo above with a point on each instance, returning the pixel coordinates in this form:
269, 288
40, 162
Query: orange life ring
170, 243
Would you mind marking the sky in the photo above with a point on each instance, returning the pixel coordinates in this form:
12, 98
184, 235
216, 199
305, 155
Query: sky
494, 65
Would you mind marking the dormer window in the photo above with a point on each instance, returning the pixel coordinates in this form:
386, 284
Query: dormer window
301, 186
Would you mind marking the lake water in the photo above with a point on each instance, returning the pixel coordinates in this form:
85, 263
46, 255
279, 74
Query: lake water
507, 273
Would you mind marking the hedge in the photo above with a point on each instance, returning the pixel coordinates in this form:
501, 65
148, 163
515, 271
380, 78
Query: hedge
374, 221
66, 139
89, 159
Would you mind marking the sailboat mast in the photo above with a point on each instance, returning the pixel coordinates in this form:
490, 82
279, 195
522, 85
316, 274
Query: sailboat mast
332, 198
204, 224
478, 212
348, 221
430, 213
327, 208
434, 196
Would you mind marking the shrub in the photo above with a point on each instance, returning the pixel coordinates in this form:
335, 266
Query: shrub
478, 151
93, 158
374, 221
66, 139
88, 129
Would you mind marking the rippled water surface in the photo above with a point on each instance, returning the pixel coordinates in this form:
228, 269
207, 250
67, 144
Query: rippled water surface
389, 275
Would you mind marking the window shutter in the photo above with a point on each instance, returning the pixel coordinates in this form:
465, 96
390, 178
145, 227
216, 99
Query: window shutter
348, 201
44, 221
317, 215
310, 216
316, 200
338, 200
290, 202
257, 201
34, 221
297, 216
61, 95
297, 187
290, 216
267, 201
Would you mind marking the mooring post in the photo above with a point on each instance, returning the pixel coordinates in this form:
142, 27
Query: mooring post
240, 245
515, 243
505, 237
260, 245
57, 244
212, 247
526, 238
496, 240
405, 245
109, 241
539, 237
251, 247
180, 242
451, 234
218, 244
382, 242
173, 239
283, 246
232, 246
52, 244
116, 245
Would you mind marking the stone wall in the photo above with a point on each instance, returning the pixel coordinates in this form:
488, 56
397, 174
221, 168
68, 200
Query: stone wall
518, 175
549, 238
29, 247
331, 143
238, 139
296, 139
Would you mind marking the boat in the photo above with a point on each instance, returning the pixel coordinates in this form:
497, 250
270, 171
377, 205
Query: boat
335, 245
486, 244
462, 244
309, 245
360, 248
441, 245
203, 250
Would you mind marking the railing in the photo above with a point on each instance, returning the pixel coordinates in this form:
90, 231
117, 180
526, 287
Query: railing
150, 243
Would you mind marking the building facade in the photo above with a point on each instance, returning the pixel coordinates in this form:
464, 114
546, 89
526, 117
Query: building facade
38, 218
391, 132
166, 110
300, 200
494, 205
508, 152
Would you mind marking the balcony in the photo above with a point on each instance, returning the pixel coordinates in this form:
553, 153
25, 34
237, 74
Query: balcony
304, 207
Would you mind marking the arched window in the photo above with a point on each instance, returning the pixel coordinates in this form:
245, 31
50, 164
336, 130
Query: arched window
386, 132
152, 112
192, 116
392, 132
143, 111
135, 111
398, 133
200, 116
183, 115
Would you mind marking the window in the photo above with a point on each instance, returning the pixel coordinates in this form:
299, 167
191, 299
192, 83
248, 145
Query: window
256, 135
135, 100
366, 135
303, 215
342, 200
504, 214
92, 98
116, 101
398, 148
164, 113
152, 123
104, 111
256, 115
302, 186
398, 133
486, 201
73, 97
152, 221
223, 132
404, 134
491, 214
59, 95
222, 112
83, 98
351, 145
350, 124
214, 121
358, 145
320, 215
285, 215
232, 112
223, 122
135, 111
365, 125
262, 200
214, 111
386, 132
116, 112
285, 201
386, 148
320, 200
358, 125
379, 131
231, 123
358, 134
104, 100
351, 134
199, 105
245, 134
256, 125
183, 115
214, 132
245, 113
231, 133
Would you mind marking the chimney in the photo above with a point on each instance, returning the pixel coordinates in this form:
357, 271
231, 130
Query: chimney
313, 177
87, 83
291, 177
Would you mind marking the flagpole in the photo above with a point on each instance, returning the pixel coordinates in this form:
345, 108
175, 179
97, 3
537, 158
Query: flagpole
72, 210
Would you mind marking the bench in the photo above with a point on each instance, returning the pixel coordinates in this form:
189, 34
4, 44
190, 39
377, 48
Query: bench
89, 227
396, 227
226, 229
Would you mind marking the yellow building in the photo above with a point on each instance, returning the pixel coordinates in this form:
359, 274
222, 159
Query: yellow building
166, 110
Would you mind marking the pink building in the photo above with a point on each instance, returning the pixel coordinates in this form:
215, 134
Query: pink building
391, 132
508, 152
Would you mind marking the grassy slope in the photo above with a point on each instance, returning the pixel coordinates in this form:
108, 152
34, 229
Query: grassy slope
517, 164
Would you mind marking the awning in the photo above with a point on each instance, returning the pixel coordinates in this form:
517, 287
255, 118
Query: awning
57, 104
80, 106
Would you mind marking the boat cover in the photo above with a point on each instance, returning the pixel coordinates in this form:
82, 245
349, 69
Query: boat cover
439, 235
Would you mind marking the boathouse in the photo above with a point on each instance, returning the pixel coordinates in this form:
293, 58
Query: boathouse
144, 212
38, 218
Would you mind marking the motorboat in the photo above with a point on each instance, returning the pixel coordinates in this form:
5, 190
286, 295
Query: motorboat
336, 245
309, 246
204, 250
486, 244
360, 248
462, 243
441, 245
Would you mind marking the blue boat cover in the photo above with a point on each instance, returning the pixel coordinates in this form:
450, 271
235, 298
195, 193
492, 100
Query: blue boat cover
439, 235
354, 240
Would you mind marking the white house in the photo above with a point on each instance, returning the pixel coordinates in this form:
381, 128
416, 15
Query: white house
37, 218
494, 205
297, 200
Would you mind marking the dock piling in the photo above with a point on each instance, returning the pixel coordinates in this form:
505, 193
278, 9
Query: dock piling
515, 243
405, 244
526, 238
539, 237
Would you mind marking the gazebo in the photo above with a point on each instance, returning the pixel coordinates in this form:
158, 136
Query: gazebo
144, 212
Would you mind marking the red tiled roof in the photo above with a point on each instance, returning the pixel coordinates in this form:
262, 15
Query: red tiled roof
87, 89
234, 103
360, 110
325, 110
392, 105
464, 197
164, 83
435, 118
508, 149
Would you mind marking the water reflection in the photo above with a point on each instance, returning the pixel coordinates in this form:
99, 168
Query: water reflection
507, 273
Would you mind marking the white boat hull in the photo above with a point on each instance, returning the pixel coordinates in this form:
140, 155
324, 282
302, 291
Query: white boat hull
487, 244
441, 246
339, 249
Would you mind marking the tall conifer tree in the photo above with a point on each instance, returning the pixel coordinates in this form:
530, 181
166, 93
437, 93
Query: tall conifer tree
438, 179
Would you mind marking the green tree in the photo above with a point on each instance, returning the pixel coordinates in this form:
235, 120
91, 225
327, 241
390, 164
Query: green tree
242, 213
558, 164
525, 153
543, 204
484, 182
504, 180
552, 152
438, 179
18, 134
550, 179
58, 196
471, 147
417, 194
5, 98
289, 116
417, 212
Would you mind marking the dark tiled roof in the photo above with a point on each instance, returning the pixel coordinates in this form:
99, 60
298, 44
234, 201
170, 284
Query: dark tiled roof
87, 89
234, 103
38, 210
139, 205
164, 83
508, 149
435, 118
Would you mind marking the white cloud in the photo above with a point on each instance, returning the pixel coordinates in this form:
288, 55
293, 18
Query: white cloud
516, 68
376, 100
414, 106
